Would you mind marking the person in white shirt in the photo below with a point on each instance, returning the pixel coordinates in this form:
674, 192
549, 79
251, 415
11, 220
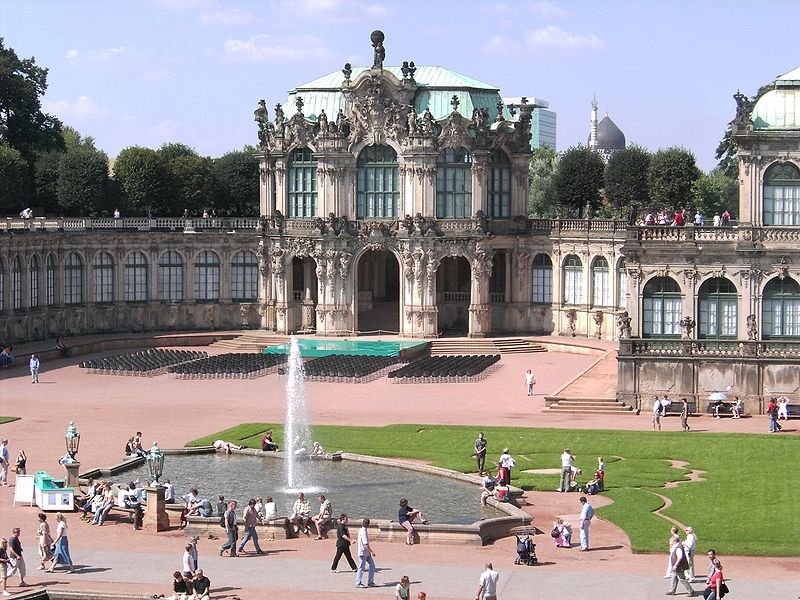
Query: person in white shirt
323, 519
365, 556
530, 380
189, 564
566, 470
587, 512
783, 408
270, 510
34, 367
301, 514
689, 545
487, 589
657, 408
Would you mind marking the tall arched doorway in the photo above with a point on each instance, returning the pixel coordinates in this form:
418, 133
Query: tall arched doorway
378, 293
453, 279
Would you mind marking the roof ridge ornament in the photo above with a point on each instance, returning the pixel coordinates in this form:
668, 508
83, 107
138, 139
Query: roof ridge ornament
347, 71
299, 104
454, 102
500, 106
408, 69
377, 37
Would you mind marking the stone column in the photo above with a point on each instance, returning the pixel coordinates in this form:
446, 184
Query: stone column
71, 475
480, 160
508, 286
479, 307
155, 514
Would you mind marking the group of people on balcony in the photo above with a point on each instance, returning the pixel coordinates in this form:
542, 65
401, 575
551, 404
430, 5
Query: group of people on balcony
683, 216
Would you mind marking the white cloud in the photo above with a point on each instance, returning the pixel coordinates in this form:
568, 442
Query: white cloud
228, 17
108, 54
154, 75
72, 55
548, 10
83, 108
338, 11
499, 44
104, 55
379, 11
262, 48
555, 38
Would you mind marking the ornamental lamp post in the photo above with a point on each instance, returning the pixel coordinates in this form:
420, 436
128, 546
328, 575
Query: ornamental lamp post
155, 463
72, 440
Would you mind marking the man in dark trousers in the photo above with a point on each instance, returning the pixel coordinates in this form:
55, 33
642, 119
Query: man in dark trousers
231, 529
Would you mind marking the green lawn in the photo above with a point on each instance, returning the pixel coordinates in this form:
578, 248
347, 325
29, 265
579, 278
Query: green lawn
8, 419
743, 506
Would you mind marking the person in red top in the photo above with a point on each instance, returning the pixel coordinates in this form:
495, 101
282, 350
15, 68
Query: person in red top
716, 587
679, 221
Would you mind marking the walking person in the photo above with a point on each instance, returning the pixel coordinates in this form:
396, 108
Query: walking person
690, 545
365, 556
15, 556
251, 519
480, 451
5, 457
487, 585
229, 519
188, 563
587, 512
5, 566
680, 564
22, 459
34, 367
45, 540
566, 470
61, 556
343, 542
772, 413
657, 408
530, 381
685, 415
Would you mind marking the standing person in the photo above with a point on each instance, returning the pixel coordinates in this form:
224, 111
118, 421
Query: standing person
5, 565
195, 555
61, 555
530, 381
716, 582
45, 540
507, 462
5, 457
487, 585
406, 516
673, 536
712, 557
480, 451
690, 545
22, 460
365, 556
188, 563
402, 590
685, 415
656, 413
323, 518
15, 556
783, 408
343, 542
678, 569
231, 529
34, 367
251, 519
772, 414
566, 470
587, 512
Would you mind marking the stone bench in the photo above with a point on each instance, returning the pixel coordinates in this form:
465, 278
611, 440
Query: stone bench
279, 528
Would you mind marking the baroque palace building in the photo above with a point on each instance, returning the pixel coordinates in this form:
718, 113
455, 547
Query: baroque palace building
394, 199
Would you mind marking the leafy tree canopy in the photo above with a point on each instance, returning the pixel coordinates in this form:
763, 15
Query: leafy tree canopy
626, 178
13, 173
716, 192
172, 150
144, 179
671, 177
83, 181
579, 179
541, 198
236, 175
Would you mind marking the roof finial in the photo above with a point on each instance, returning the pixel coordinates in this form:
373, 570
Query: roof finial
377, 37
299, 104
454, 102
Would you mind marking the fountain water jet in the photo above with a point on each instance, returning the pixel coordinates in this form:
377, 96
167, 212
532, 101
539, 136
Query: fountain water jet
297, 436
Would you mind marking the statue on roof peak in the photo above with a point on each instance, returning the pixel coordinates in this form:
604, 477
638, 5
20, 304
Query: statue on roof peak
377, 37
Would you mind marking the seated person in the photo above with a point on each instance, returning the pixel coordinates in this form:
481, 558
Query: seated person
736, 408
301, 514
226, 447
6, 357
26, 213
270, 510
267, 445
323, 519
203, 508
718, 405
488, 485
573, 477
318, 450
564, 530
61, 345
259, 508
169, 492
502, 493
597, 484
105, 507
180, 591
201, 586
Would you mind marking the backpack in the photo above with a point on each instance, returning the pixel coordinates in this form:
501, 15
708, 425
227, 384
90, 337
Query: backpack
555, 533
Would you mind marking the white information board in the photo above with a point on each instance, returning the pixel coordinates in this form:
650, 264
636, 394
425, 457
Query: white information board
23, 492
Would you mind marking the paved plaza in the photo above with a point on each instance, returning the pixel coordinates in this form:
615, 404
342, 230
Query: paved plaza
115, 558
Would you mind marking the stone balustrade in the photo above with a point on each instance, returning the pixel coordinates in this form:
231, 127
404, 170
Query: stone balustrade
710, 348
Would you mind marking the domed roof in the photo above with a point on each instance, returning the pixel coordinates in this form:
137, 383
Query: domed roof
779, 108
609, 136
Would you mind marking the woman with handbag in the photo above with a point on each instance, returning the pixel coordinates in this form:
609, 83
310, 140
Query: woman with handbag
45, 541
61, 554
716, 588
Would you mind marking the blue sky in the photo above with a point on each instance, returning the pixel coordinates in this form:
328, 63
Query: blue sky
152, 71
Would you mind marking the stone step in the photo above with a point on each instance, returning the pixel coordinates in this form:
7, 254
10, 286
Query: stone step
627, 410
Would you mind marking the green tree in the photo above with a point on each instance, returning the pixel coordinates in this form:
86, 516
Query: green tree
144, 179
23, 125
13, 174
73, 138
194, 184
542, 198
236, 175
727, 155
172, 150
716, 192
579, 179
671, 177
626, 178
45, 183
83, 181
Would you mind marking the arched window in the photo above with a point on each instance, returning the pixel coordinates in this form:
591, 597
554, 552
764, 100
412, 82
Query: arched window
622, 285
33, 282
302, 184
16, 284
378, 185
498, 185
50, 281
244, 276
73, 279
717, 309
573, 280
601, 282
661, 307
781, 308
103, 270
206, 276
782, 195
170, 277
136, 277
454, 184
542, 279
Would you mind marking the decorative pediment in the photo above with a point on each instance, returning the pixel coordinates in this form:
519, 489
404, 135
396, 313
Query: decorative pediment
378, 106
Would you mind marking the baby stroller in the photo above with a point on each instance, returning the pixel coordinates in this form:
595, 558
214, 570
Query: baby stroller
526, 551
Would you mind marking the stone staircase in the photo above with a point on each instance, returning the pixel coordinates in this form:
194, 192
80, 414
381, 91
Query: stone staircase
587, 405
442, 347
251, 341
593, 392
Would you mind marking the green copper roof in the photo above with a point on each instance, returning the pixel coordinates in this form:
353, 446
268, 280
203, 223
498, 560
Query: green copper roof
779, 108
436, 87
